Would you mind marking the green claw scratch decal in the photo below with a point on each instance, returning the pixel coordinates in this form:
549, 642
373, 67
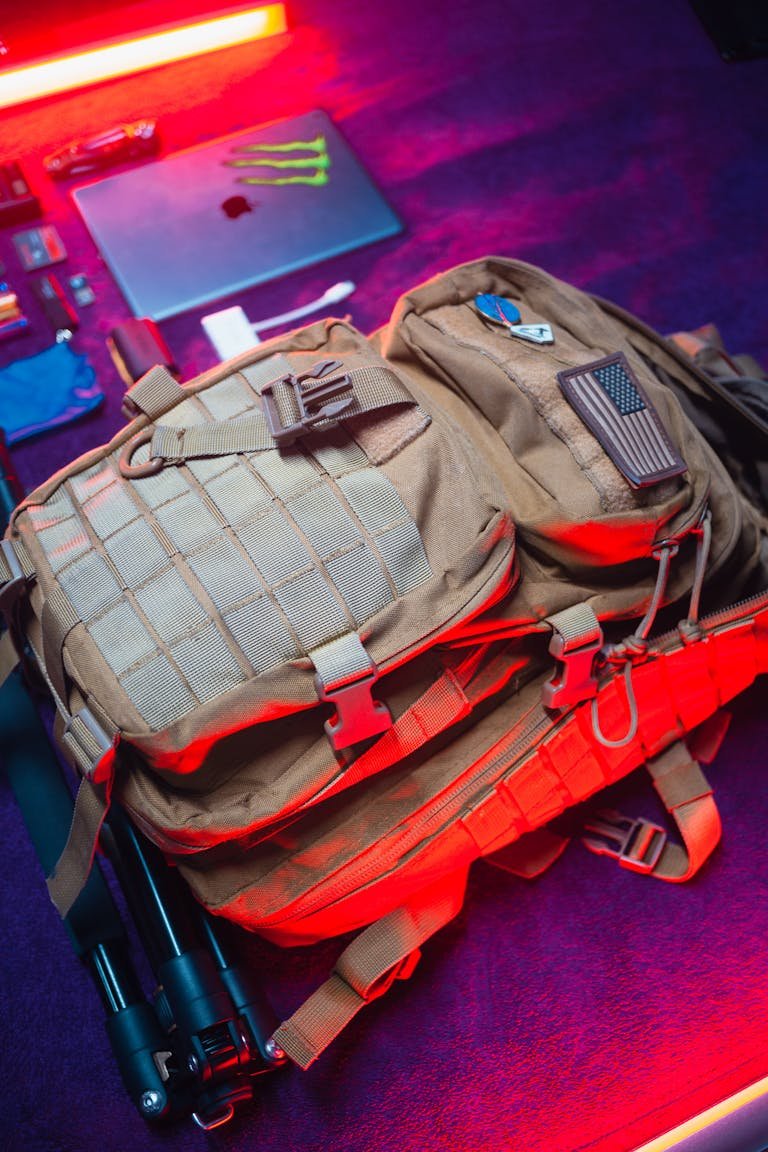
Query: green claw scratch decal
317, 145
302, 162
318, 161
316, 179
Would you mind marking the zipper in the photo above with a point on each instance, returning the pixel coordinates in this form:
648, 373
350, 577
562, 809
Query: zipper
466, 669
720, 618
512, 745
497, 762
535, 724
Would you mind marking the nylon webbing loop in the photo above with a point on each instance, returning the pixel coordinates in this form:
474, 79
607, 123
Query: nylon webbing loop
687, 796
370, 389
15, 569
384, 952
58, 619
576, 640
345, 678
643, 846
261, 372
86, 740
155, 393
341, 659
73, 867
11, 572
9, 657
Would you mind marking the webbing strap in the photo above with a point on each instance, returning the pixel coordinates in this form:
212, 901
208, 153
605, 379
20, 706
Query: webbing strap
15, 568
345, 678
687, 796
156, 392
10, 567
643, 846
340, 660
447, 700
71, 871
576, 625
9, 657
371, 389
58, 620
384, 952
244, 434
576, 640
86, 740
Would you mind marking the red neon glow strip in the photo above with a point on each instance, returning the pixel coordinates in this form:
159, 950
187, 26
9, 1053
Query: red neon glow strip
105, 63
670, 1140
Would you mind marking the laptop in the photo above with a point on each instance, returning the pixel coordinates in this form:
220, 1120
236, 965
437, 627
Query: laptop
232, 213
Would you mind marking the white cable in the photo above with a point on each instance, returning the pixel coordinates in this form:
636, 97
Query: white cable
334, 294
231, 332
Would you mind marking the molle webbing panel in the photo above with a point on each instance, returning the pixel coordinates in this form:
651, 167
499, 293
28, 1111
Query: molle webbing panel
192, 580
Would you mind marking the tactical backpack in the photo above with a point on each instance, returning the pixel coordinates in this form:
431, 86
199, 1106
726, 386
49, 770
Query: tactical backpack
342, 615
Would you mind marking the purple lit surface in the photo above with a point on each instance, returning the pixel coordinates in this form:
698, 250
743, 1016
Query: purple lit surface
592, 1009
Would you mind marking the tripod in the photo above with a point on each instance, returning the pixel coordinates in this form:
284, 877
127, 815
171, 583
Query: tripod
198, 1045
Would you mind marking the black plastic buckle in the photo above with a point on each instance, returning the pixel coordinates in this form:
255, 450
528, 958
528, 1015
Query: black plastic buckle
358, 716
307, 400
637, 844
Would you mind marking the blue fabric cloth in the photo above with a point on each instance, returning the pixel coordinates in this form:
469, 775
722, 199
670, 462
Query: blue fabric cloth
42, 391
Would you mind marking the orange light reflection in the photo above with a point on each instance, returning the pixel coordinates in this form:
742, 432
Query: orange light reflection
137, 55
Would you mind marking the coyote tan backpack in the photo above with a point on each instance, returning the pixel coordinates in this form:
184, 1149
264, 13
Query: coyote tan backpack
343, 614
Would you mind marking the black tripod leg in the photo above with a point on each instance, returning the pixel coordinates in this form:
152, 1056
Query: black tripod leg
214, 1011
93, 924
245, 992
204, 984
213, 1027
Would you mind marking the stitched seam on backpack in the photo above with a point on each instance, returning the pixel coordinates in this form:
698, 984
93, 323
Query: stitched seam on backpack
614, 494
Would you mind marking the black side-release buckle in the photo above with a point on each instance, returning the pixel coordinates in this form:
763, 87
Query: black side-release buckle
637, 844
314, 403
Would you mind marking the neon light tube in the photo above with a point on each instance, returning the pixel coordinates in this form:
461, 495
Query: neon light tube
105, 63
671, 1140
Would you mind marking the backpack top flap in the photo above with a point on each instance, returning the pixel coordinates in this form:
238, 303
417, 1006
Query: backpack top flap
582, 415
205, 577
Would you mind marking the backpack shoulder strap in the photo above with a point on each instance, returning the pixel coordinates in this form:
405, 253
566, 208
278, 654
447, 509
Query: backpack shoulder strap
386, 951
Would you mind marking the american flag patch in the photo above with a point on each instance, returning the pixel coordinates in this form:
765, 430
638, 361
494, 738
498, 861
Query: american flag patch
610, 400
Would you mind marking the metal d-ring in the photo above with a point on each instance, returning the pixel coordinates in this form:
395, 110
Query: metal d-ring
137, 471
